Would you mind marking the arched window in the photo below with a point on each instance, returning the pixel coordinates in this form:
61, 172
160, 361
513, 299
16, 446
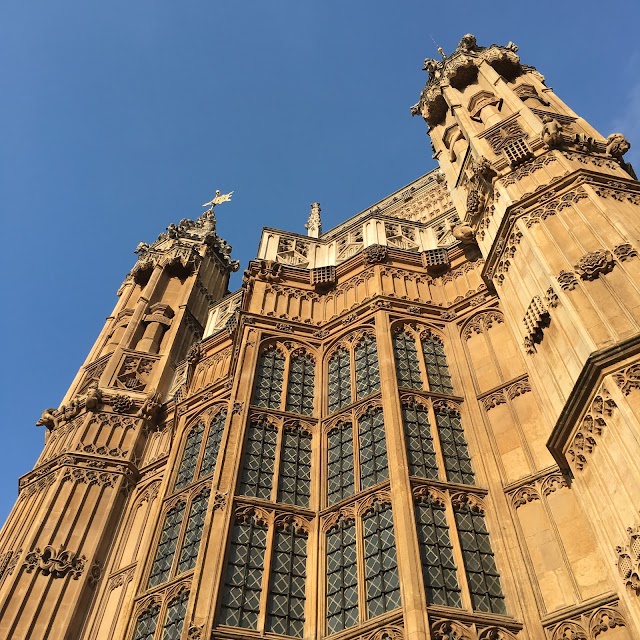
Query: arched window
161, 567
373, 448
436, 363
366, 367
193, 532
146, 625
455, 452
407, 364
340, 476
269, 379
420, 450
259, 460
187, 468
300, 386
176, 612
212, 445
339, 380
294, 486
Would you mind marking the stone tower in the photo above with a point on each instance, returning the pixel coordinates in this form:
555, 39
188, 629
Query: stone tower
423, 423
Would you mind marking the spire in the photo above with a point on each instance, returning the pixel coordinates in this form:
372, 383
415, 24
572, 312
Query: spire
314, 224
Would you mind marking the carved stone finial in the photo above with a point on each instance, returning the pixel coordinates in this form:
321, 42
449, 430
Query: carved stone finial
314, 224
617, 145
551, 132
48, 419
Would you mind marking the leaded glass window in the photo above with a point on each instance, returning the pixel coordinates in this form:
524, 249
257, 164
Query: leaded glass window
193, 533
161, 567
342, 576
479, 563
212, 446
373, 449
243, 580
285, 608
300, 387
380, 563
437, 369
436, 552
294, 486
259, 460
366, 364
146, 625
407, 365
190, 454
176, 612
420, 449
340, 476
457, 461
339, 380
269, 379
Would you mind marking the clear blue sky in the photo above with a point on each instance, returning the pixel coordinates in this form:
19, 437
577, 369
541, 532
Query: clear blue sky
118, 118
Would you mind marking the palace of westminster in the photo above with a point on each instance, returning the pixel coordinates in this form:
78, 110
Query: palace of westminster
423, 423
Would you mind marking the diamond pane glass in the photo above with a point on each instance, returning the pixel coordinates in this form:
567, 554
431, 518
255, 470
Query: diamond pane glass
176, 612
437, 368
259, 461
438, 567
340, 481
420, 450
380, 563
190, 454
300, 388
407, 366
243, 581
285, 607
339, 380
294, 486
167, 545
342, 577
269, 379
373, 449
212, 446
366, 362
457, 461
191, 541
479, 563
146, 625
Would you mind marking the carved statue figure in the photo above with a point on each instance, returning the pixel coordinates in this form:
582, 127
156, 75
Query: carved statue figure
430, 65
94, 397
468, 42
551, 132
219, 198
69, 411
172, 231
482, 168
617, 145
142, 247
464, 233
49, 419
150, 406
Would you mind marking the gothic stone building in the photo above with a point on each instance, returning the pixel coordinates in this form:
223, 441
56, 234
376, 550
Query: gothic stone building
424, 423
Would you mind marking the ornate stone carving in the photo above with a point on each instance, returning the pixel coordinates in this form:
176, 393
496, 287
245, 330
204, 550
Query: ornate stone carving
194, 354
95, 573
195, 632
375, 253
551, 134
628, 378
567, 280
8, 562
134, 373
617, 145
219, 501
48, 419
150, 407
594, 264
93, 399
535, 320
56, 563
524, 495
90, 477
121, 403
493, 400
625, 251
629, 560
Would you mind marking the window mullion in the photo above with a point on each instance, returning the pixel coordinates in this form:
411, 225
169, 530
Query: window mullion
457, 555
362, 587
285, 382
276, 464
422, 363
435, 434
266, 575
352, 373
183, 529
355, 438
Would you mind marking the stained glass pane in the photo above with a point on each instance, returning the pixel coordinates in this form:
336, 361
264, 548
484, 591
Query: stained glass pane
407, 366
176, 612
420, 450
259, 461
479, 563
340, 476
190, 456
285, 608
191, 541
269, 379
146, 625
457, 461
437, 368
438, 567
300, 388
342, 577
212, 446
367, 373
380, 563
295, 468
339, 380
167, 545
243, 581
373, 449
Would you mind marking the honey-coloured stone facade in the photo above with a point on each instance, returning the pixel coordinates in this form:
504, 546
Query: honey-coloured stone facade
424, 423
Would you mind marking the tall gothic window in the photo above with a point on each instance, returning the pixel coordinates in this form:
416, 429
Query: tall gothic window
212, 445
187, 468
193, 532
437, 368
294, 486
373, 449
259, 460
269, 379
176, 612
340, 475
339, 380
300, 387
147, 623
420, 449
407, 363
254, 554
366, 367
457, 461
163, 562
375, 559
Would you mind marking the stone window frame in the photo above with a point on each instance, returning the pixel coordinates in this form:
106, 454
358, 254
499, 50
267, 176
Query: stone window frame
280, 425
161, 601
270, 520
288, 350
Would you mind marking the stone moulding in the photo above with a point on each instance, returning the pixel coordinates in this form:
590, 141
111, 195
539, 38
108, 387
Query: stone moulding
57, 563
629, 560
